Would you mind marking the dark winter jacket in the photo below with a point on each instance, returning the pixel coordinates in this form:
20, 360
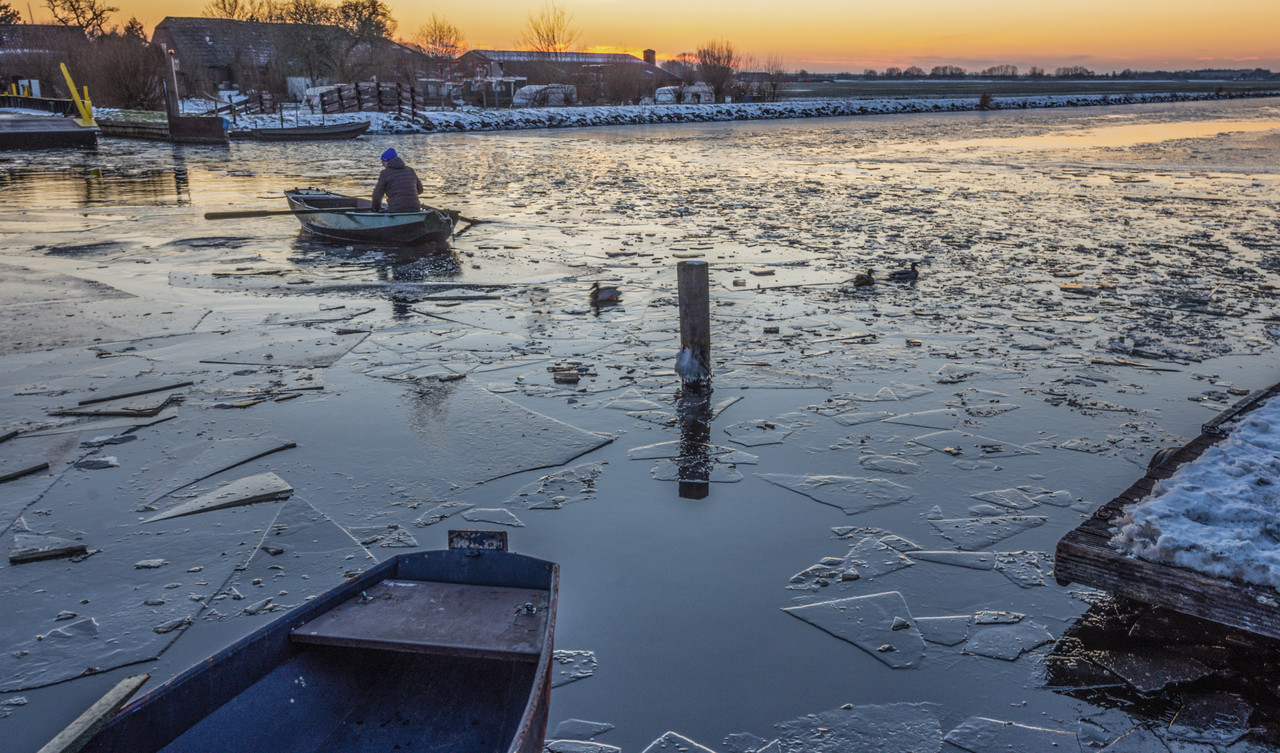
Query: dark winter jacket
400, 184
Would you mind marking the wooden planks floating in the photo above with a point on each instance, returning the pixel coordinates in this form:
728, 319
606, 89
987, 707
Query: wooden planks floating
1086, 556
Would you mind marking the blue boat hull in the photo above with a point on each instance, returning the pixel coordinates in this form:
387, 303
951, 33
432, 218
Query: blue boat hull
270, 693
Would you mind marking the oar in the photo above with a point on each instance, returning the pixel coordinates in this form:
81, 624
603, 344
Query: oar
252, 213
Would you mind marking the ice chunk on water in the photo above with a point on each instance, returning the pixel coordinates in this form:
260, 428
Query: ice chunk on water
758, 432
264, 487
1014, 499
971, 560
572, 665
1150, 669
1027, 569
971, 445
673, 743
1215, 718
979, 533
888, 728
983, 735
946, 631
495, 515
1007, 642
579, 746
580, 729
437, 513
867, 622
853, 494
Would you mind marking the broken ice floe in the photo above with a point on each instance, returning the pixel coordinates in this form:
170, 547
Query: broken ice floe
758, 432
887, 728
220, 455
1027, 569
971, 560
561, 487
974, 534
572, 665
1006, 642
673, 743
852, 494
958, 443
263, 487
495, 515
389, 536
983, 735
580, 729
945, 631
439, 512
868, 622
578, 746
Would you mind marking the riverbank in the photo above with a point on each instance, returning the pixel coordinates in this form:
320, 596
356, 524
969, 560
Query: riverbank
475, 119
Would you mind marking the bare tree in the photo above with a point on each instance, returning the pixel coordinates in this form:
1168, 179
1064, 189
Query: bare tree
914, 71
718, 61
235, 9
773, 73
624, 83
369, 26
90, 15
8, 15
549, 30
440, 40
125, 71
307, 12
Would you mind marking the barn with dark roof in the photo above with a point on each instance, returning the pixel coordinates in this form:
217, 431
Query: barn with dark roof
592, 69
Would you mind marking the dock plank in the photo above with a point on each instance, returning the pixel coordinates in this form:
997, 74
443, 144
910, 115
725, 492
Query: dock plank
1085, 554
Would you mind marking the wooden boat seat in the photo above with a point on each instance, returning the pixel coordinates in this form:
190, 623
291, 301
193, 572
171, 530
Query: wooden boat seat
436, 618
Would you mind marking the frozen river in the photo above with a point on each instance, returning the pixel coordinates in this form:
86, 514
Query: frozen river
1094, 284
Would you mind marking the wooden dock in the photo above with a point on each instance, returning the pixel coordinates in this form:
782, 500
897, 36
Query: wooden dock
1085, 555
20, 130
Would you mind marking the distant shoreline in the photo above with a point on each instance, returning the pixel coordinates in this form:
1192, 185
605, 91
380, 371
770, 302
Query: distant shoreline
586, 117
469, 120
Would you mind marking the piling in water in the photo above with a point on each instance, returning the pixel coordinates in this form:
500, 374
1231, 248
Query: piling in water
693, 363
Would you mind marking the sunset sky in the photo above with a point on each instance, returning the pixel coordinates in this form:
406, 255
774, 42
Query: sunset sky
840, 35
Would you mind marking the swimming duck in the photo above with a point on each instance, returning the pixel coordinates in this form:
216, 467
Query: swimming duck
862, 281
605, 296
905, 275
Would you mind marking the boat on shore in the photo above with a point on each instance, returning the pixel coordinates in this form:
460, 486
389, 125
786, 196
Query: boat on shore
441, 651
306, 133
348, 218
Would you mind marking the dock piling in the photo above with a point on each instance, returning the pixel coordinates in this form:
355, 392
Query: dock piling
693, 363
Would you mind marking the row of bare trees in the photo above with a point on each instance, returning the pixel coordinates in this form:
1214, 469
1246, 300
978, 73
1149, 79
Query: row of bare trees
729, 72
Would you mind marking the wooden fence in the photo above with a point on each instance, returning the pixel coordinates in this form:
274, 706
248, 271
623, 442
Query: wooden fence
373, 96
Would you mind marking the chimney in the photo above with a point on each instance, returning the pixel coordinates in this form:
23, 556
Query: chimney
650, 57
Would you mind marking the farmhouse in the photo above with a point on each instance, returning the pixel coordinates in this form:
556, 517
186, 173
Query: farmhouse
595, 74
216, 51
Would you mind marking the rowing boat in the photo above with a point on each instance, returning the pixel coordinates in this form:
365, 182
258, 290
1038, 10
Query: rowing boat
347, 218
305, 133
446, 651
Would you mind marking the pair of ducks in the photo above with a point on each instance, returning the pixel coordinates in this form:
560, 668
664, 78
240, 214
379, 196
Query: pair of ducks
897, 275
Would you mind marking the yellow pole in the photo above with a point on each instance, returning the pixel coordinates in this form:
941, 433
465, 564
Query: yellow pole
86, 112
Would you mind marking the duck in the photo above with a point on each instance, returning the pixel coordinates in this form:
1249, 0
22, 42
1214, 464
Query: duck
862, 281
906, 275
604, 296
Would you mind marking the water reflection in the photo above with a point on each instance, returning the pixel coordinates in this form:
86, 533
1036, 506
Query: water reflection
693, 467
87, 185
1190, 679
427, 262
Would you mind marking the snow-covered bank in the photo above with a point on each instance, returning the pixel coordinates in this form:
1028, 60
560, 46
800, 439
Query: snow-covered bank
1219, 515
572, 117
474, 119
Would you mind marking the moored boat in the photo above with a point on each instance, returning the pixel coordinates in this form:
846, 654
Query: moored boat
446, 651
347, 218
307, 133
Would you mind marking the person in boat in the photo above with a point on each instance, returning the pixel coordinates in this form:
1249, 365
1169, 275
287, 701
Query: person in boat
398, 183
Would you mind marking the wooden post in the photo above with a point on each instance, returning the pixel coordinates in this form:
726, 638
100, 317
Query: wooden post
693, 363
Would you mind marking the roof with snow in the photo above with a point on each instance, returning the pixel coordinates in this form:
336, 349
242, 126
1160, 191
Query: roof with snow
24, 38
219, 42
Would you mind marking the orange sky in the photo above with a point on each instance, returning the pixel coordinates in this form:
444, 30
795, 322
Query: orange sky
847, 35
